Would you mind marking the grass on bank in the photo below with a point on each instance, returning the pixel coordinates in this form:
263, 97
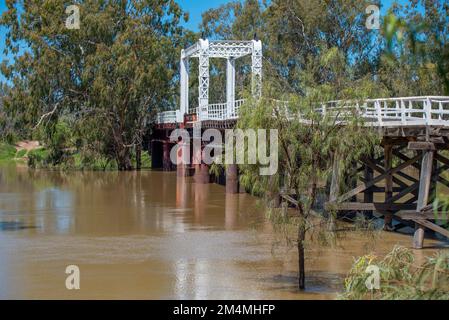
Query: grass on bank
401, 277
7, 152
42, 158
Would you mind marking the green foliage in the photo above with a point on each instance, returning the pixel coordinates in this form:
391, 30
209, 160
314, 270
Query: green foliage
401, 278
38, 158
416, 49
145, 160
7, 152
408, 57
21, 153
116, 71
216, 169
441, 210
43, 158
58, 137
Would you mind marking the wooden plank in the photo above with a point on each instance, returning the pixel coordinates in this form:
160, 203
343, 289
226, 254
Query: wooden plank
376, 189
433, 226
406, 176
403, 193
368, 196
359, 206
414, 199
388, 217
423, 196
418, 145
379, 178
413, 215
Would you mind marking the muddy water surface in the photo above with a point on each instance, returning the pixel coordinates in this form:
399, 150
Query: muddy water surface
149, 235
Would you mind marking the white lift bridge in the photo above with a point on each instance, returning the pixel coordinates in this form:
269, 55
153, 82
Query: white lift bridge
204, 50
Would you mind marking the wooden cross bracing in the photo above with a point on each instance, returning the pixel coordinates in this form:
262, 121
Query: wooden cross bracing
403, 195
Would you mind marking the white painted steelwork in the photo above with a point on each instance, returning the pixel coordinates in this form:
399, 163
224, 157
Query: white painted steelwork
204, 50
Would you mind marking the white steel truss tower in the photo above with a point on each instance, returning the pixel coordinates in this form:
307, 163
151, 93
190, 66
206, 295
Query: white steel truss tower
229, 50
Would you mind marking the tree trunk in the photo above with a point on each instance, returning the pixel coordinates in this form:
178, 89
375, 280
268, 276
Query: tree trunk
122, 153
138, 156
301, 256
124, 159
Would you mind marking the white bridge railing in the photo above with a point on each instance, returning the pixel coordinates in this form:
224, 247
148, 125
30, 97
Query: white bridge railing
395, 112
384, 112
166, 117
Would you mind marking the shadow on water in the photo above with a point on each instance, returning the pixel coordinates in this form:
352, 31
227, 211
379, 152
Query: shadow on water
317, 282
14, 226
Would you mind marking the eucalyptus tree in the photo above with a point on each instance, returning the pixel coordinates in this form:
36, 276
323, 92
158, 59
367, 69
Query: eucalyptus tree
115, 70
416, 38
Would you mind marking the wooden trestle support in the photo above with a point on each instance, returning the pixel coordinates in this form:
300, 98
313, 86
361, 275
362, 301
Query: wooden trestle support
394, 193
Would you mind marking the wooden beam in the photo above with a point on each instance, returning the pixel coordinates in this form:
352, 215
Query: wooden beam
381, 177
403, 193
374, 166
368, 196
414, 199
433, 226
388, 217
442, 159
359, 206
376, 189
424, 146
413, 215
440, 170
406, 176
423, 196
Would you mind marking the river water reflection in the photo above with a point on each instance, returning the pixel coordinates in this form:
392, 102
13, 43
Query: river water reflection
149, 235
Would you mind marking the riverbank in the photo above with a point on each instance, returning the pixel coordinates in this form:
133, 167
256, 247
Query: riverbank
37, 156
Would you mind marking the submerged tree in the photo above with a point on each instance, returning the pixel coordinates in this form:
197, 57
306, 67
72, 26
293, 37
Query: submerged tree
117, 69
311, 135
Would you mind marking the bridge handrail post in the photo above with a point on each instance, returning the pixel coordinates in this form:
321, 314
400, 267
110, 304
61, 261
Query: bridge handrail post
403, 117
378, 111
428, 110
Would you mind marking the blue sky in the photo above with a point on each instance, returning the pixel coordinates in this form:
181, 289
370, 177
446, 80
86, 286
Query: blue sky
194, 7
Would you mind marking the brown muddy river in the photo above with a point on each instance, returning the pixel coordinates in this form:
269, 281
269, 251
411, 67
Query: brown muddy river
148, 235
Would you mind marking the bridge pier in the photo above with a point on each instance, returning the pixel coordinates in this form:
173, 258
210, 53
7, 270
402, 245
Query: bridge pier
388, 162
156, 154
423, 195
182, 160
167, 165
232, 179
202, 175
